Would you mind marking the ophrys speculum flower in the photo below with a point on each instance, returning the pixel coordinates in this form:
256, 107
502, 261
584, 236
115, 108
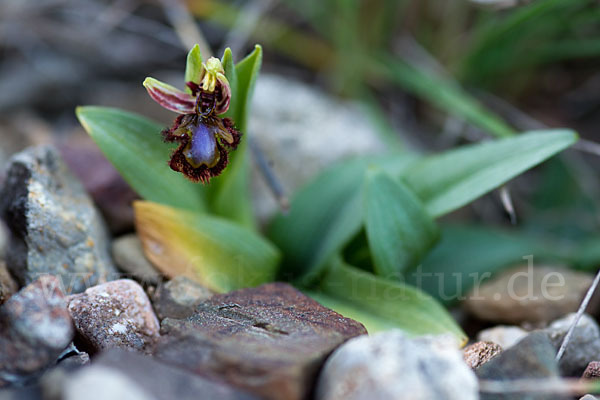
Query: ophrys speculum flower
204, 138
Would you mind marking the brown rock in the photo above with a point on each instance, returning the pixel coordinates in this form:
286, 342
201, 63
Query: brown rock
115, 314
8, 286
270, 340
592, 371
179, 297
529, 294
35, 327
479, 353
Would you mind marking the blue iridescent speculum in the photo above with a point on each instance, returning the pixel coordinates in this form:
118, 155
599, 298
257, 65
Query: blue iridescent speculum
204, 138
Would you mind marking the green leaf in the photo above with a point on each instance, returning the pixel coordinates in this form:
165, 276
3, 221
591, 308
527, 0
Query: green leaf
383, 304
399, 230
325, 215
193, 66
216, 252
230, 195
448, 181
134, 145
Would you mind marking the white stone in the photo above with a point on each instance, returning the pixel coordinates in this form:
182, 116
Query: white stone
101, 383
504, 335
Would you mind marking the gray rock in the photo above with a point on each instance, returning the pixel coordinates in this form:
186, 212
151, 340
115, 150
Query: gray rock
588, 397
301, 135
179, 297
129, 256
529, 294
115, 314
165, 382
390, 365
479, 353
270, 340
8, 286
532, 357
55, 227
35, 327
101, 383
503, 335
584, 346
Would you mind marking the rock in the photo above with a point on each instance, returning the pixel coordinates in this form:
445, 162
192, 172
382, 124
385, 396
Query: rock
35, 327
174, 383
270, 340
532, 357
588, 397
100, 383
115, 314
179, 297
528, 294
592, 371
55, 227
503, 335
102, 181
129, 256
584, 346
479, 353
389, 365
309, 129
8, 286
3, 236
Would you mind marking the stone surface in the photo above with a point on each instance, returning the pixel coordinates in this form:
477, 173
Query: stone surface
592, 371
391, 366
532, 357
179, 297
588, 397
504, 335
529, 294
583, 347
8, 286
35, 327
102, 181
115, 314
55, 227
303, 134
129, 256
165, 382
479, 353
101, 383
270, 340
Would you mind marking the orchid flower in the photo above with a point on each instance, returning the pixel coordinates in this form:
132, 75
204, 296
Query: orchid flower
204, 138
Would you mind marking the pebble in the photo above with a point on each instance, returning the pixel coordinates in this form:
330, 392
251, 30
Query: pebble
390, 365
592, 371
101, 383
584, 346
55, 227
503, 335
529, 294
310, 128
179, 297
129, 256
115, 314
479, 353
35, 327
532, 357
270, 340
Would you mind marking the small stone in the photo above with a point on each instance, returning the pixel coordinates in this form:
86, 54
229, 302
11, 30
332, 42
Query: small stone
100, 383
129, 256
479, 353
503, 335
588, 397
174, 383
179, 297
270, 340
390, 365
584, 345
55, 227
115, 314
532, 357
35, 327
592, 371
529, 294
8, 286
